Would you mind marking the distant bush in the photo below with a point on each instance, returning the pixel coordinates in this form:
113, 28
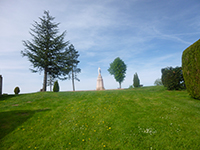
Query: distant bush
16, 90
191, 69
172, 78
56, 87
158, 82
131, 86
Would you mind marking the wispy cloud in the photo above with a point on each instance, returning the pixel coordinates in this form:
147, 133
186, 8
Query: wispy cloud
146, 35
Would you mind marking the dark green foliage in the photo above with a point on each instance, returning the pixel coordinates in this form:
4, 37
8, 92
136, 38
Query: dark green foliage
158, 82
16, 90
46, 50
191, 69
172, 78
56, 87
136, 81
118, 69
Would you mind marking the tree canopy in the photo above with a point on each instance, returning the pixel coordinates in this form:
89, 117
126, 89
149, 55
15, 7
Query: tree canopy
45, 50
118, 69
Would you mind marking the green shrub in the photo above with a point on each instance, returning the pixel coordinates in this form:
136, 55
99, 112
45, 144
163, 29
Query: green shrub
17, 90
56, 87
172, 78
131, 86
191, 69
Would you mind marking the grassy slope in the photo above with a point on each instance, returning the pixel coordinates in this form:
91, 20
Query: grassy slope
144, 118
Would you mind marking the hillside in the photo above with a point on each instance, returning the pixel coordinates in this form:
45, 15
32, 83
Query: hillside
143, 118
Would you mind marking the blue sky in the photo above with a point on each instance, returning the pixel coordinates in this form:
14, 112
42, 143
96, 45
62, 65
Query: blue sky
146, 34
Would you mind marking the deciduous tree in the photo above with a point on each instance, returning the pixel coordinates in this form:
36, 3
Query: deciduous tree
118, 69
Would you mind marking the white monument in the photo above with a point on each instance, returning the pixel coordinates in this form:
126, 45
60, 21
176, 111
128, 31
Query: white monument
100, 81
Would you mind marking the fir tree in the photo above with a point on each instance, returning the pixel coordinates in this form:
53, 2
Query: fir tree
45, 50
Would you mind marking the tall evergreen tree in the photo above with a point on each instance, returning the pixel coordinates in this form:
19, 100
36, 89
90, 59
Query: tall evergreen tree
71, 61
45, 50
136, 81
118, 69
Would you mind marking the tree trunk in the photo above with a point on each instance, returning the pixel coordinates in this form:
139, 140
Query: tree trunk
73, 80
50, 87
120, 85
45, 80
51, 84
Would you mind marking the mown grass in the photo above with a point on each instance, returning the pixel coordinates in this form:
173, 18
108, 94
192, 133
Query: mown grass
143, 118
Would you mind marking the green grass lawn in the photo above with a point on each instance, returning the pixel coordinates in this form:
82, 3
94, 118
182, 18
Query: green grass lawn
143, 118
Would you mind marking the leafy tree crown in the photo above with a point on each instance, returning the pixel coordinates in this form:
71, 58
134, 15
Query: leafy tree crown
118, 69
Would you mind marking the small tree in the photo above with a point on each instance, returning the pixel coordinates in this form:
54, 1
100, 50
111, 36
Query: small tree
118, 69
158, 82
50, 81
136, 81
16, 90
71, 61
56, 87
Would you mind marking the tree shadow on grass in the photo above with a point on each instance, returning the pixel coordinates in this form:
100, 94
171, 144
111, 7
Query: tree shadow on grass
10, 120
6, 97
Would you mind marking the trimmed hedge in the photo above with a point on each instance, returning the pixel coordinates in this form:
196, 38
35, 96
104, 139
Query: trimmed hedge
56, 87
16, 90
191, 69
172, 78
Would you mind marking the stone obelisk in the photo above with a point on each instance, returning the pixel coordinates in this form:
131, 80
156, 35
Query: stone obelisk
100, 81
